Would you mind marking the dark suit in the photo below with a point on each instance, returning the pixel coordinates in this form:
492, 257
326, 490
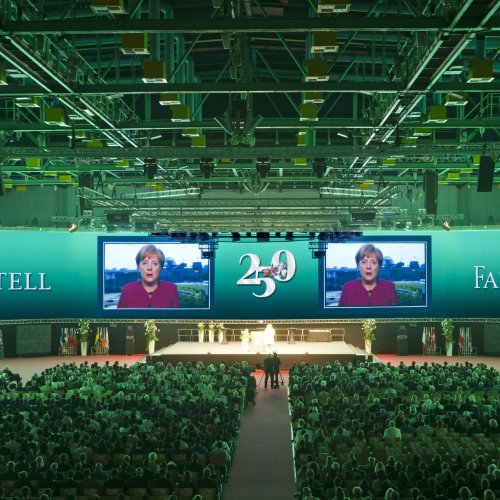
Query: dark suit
269, 371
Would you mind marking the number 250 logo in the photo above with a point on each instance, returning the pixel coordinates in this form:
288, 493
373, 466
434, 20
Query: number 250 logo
280, 270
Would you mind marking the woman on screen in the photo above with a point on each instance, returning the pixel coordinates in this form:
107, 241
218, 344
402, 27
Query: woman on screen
149, 291
369, 290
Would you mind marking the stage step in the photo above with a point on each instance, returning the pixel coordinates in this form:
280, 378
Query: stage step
361, 353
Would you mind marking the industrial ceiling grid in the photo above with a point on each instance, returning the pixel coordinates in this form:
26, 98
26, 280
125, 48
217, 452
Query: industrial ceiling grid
152, 104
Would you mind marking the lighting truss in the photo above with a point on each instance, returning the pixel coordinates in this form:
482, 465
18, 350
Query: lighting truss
168, 193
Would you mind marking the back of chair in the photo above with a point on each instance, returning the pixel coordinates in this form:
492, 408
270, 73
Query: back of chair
137, 492
159, 492
218, 459
64, 492
208, 493
184, 493
113, 492
89, 492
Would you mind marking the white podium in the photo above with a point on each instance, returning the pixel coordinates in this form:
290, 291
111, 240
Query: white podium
257, 339
262, 341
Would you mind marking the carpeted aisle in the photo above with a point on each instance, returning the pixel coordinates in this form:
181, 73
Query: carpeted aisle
262, 465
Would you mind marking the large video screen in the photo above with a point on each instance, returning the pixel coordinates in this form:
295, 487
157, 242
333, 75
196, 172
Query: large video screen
147, 273
381, 272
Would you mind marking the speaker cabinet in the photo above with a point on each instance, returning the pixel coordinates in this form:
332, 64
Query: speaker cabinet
431, 191
486, 174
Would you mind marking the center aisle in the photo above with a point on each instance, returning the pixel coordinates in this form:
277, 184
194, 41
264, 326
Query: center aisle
263, 465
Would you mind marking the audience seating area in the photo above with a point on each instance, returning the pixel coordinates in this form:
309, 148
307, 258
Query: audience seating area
376, 431
144, 431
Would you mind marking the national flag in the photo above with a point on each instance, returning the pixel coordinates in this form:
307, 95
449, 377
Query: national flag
63, 338
469, 337
461, 337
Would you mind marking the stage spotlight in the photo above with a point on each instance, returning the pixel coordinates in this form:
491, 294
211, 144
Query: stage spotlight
207, 167
236, 236
178, 236
263, 166
447, 225
289, 237
261, 236
319, 167
312, 235
150, 168
73, 228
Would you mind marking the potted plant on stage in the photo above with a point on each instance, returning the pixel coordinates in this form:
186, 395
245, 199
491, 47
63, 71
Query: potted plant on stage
201, 331
150, 332
245, 340
368, 333
83, 334
211, 331
447, 326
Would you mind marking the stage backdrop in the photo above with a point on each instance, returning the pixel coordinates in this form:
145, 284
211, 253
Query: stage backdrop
46, 275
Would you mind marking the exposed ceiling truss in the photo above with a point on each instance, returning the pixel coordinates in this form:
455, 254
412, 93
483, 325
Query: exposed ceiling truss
222, 103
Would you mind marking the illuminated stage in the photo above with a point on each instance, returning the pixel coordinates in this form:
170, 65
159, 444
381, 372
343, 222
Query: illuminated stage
310, 352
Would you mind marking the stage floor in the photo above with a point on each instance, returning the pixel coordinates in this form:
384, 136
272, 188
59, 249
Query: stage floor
321, 352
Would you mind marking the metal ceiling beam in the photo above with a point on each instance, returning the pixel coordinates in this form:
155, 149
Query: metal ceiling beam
242, 25
193, 168
345, 87
265, 124
444, 148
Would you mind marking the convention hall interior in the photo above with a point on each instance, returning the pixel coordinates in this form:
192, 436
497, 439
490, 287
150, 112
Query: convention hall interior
266, 153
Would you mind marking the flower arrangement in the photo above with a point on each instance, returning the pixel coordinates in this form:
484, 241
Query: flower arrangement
151, 330
201, 327
368, 327
220, 326
245, 335
211, 326
447, 326
83, 330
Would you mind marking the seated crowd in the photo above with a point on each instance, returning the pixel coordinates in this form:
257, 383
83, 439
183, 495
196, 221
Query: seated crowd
364, 431
140, 431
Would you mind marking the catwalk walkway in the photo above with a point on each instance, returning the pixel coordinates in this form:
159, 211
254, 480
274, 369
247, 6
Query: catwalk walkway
262, 465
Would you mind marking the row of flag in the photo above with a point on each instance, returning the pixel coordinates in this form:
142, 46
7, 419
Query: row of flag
429, 337
68, 338
102, 337
465, 337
